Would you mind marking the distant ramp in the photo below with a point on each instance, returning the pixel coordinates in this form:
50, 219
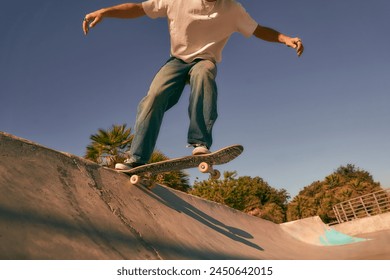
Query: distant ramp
313, 231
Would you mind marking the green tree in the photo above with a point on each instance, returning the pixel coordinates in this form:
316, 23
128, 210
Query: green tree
319, 198
250, 195
178, 180
109, 147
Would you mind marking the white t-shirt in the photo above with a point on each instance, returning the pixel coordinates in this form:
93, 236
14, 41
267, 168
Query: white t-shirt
200, 29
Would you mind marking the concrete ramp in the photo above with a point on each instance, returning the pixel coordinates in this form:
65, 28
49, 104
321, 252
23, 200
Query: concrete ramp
58, 206
313, 231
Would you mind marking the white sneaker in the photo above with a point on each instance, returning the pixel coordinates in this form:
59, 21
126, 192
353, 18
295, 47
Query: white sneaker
200, 149
127, 165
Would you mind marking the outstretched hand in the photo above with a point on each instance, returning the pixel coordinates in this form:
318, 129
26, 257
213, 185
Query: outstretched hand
296, 44
91, 20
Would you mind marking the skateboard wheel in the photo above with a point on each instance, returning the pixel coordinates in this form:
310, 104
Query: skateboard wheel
204, 167
216, 174
135, 179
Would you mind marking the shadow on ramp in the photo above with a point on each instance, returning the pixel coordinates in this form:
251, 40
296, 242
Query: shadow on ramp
170, 199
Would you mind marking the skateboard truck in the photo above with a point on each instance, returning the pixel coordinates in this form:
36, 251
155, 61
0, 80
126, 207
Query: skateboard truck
205, 167
140, 180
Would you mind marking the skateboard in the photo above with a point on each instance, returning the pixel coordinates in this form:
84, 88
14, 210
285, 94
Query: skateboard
204, 163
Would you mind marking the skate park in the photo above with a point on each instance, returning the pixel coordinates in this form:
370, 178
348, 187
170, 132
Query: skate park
55, 205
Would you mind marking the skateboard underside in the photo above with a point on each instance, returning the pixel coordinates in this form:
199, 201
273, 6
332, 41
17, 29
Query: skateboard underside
204, 163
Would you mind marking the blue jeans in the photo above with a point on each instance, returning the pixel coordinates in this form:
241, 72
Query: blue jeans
164, 92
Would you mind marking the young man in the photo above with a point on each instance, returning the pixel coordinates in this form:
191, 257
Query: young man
199, 29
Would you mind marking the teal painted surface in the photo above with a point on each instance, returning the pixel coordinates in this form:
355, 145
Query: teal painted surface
334, 237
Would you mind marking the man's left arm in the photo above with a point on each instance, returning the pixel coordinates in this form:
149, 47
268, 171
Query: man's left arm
271, 35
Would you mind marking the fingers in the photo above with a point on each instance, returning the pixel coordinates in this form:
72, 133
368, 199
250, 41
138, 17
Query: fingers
296, 43
90, 21
299, 47
85, 26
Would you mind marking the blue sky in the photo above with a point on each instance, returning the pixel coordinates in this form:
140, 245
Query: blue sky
299, 119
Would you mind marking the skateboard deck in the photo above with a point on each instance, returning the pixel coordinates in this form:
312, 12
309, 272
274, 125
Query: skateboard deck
204, 163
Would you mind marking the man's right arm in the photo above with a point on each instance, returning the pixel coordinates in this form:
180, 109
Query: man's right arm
128, 10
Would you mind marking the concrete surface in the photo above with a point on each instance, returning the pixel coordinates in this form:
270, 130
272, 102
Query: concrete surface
365, 225
313, 231
58, 206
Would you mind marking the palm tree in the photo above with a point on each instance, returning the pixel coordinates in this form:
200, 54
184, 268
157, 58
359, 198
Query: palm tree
178, 180
108, 147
